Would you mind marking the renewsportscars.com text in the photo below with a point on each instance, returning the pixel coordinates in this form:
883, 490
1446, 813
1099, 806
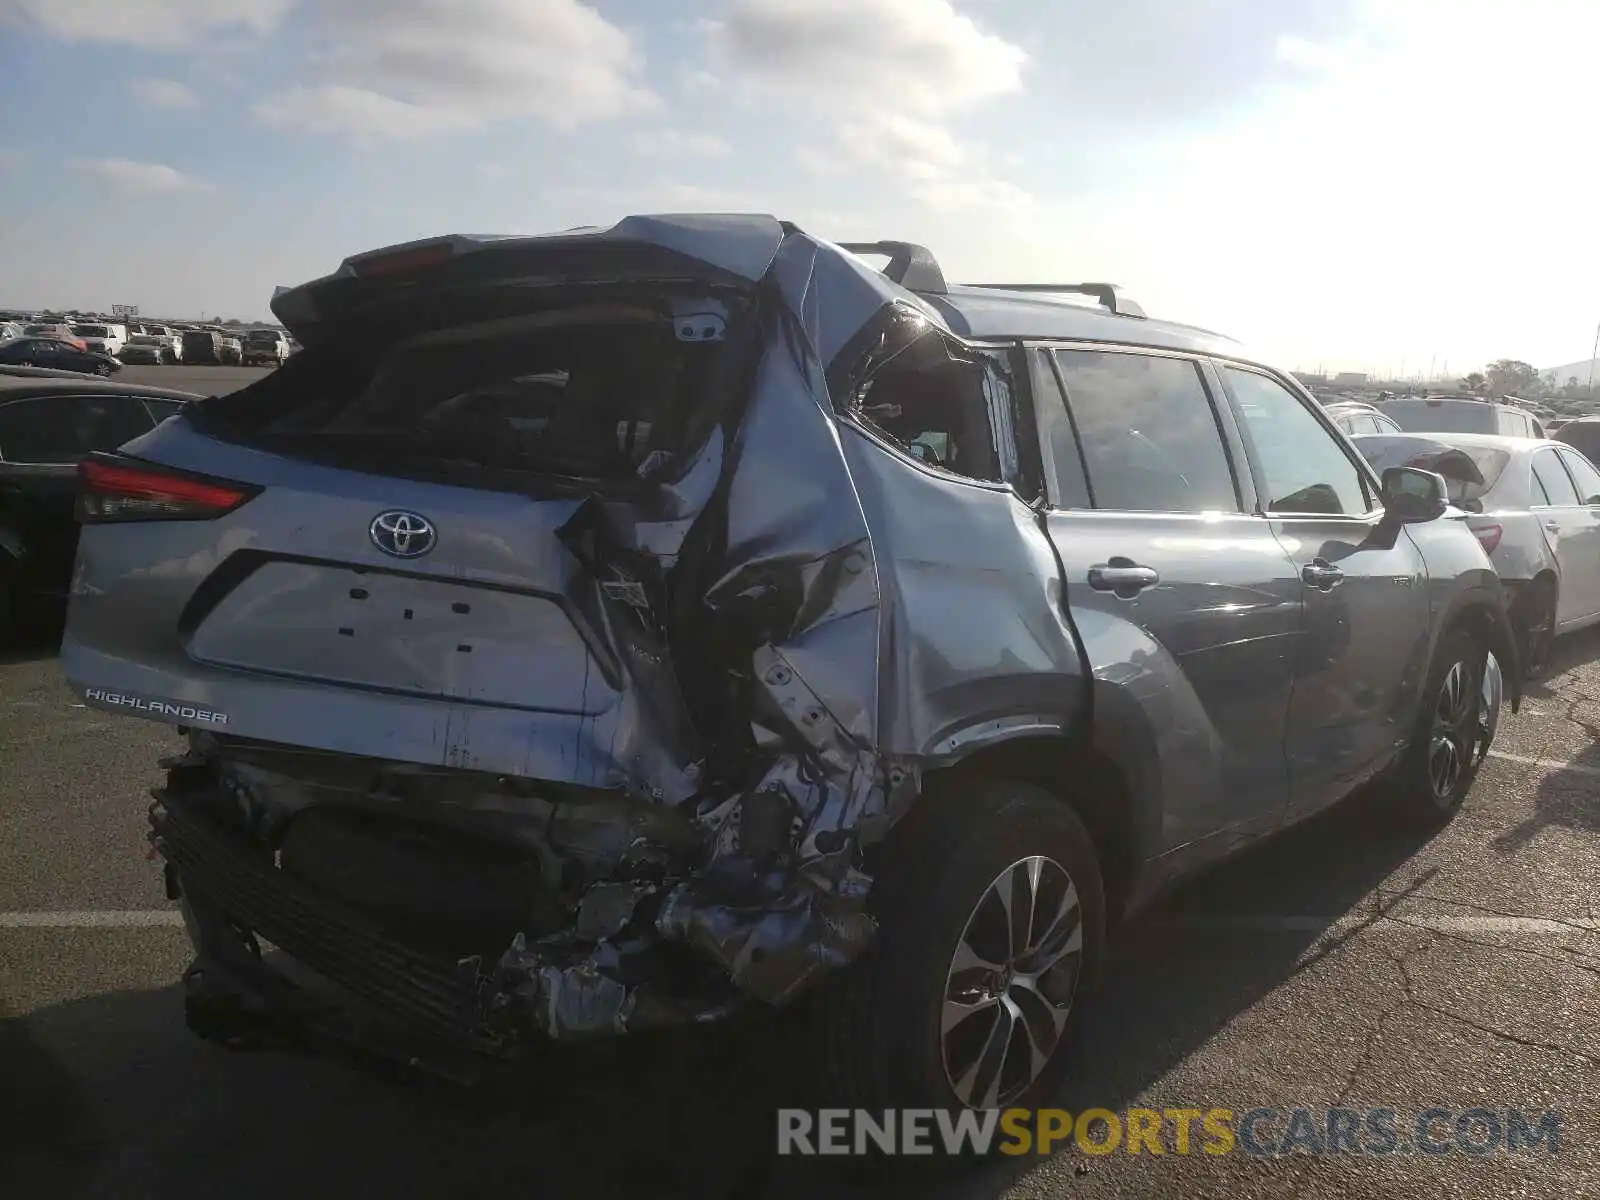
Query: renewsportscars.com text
1181, 1131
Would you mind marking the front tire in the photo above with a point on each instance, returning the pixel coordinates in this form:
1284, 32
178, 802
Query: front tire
1447, 745
966, 1000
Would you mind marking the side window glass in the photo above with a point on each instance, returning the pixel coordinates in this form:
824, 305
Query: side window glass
1584, 475
160, 410
105, 422
1306, 469
37, 431
1150, 438
1557, 487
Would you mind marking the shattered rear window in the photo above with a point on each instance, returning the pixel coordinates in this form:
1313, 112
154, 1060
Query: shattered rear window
607, 392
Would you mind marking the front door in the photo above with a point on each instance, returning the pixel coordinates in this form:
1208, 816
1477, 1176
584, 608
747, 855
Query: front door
1187, 606
1572, 529
1363, 658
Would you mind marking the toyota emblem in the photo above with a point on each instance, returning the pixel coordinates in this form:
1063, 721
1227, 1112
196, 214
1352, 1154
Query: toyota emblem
402, 534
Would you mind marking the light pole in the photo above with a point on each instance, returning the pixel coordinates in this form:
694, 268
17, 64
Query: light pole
1594, 354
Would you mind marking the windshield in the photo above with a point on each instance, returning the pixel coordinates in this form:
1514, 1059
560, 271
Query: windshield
144, 339
263, 336
98, 331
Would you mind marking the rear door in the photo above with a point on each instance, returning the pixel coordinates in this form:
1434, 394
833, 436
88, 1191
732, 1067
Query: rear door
1569, 527
1182, 597
1584, 536
1364, 653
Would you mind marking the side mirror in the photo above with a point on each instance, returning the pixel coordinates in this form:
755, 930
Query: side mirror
1412, 495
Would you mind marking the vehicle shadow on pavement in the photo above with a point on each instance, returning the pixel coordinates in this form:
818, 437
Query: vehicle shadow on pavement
1569, 800
129, 1103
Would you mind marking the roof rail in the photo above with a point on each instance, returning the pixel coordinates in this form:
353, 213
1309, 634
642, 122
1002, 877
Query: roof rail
913, 267
1109, 294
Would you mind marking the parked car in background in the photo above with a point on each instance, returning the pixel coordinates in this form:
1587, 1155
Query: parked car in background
105, 338
1353, 417
981, 602
1583, 434
269, 346
1535, 506
62, 333
166, 334
53, 352
1462, 414
147, 348
47, 424
230, 349
202, 346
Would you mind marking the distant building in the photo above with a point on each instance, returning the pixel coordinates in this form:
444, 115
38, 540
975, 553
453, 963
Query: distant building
1311, 379
1350, 379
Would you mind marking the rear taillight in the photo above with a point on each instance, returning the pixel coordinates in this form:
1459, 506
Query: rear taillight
403, 262
1488, 536
112, 488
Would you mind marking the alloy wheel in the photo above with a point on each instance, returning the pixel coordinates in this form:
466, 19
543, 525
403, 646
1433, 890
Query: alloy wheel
1453, 740
1011, 983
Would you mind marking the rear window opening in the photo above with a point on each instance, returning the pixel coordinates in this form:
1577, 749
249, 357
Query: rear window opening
943, 404
609, 392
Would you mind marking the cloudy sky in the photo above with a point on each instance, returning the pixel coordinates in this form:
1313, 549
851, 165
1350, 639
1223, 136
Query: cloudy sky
1356, 183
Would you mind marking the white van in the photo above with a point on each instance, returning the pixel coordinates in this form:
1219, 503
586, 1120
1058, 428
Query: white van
106, 338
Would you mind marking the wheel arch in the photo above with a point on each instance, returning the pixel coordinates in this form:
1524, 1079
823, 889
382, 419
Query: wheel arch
1483, 615
1091, 771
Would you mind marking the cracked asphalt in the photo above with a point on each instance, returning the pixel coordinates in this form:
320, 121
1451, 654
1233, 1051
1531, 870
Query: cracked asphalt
1341, 965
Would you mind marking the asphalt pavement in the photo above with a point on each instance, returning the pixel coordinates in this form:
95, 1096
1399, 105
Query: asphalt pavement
1344, 964
202, 379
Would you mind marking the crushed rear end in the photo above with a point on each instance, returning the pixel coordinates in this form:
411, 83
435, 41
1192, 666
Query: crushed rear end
548, 654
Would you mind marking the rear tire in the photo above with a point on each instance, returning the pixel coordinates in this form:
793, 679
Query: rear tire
920, 1021
1438, 768
1536, 627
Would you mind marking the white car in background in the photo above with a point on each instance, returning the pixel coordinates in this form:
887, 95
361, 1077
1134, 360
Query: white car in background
165, 334
107, 338
1534, 505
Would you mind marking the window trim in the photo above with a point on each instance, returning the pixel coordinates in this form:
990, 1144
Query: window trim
1227, 433
1364, 472
1533, 465
1564, 452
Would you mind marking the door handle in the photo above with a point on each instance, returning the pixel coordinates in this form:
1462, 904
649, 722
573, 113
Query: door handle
1122, 576
1553, 526
1321, 574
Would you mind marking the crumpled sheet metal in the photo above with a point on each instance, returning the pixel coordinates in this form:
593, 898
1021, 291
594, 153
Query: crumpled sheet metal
785, 558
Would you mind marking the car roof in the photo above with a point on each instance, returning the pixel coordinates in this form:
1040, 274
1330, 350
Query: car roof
744, 245
41, 382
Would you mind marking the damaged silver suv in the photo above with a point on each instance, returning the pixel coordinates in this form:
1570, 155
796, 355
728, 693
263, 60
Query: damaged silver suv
598, 632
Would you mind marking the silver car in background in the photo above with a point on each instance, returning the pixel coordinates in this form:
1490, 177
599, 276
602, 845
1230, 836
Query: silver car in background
1462, 414
1535, 507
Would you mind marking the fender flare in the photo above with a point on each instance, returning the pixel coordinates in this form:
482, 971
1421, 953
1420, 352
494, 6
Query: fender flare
1487, 604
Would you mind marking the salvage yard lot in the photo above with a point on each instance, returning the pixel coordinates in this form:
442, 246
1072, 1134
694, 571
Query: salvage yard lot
1340, 965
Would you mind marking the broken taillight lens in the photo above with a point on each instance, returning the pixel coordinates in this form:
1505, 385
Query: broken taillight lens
1488, 536
113, 488
402, 262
